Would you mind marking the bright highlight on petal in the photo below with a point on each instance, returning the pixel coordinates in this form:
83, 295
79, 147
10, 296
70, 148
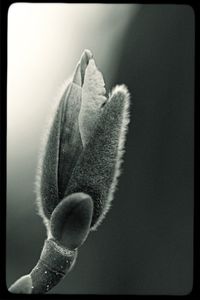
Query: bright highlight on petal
93, 97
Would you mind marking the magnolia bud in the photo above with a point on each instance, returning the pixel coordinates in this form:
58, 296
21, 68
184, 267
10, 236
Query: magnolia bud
78, 171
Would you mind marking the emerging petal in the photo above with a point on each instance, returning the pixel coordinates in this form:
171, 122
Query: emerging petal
93, 97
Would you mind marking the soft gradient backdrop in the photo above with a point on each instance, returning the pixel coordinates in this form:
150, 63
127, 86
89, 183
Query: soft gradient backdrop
145, 245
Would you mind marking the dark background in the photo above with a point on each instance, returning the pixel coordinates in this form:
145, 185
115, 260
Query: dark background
158, 65
145, 245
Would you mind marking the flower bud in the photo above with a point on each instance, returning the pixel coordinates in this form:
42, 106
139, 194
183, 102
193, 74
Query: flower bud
84, 146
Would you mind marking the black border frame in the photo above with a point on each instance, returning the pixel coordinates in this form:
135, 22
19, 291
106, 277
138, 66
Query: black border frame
4, 7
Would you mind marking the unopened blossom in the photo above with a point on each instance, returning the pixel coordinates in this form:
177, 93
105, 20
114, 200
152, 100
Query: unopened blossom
78, 170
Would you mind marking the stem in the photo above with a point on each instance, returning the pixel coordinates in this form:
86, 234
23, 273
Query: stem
54, 264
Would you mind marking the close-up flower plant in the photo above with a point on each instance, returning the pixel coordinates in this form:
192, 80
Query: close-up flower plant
78, 169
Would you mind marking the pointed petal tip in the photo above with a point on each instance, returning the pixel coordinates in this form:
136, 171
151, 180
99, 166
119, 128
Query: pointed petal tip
87, 53
85, 58
79, 73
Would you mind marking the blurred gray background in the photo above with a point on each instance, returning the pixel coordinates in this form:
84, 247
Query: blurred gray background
145, 245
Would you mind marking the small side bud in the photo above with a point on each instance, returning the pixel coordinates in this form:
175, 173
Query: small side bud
71, 219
